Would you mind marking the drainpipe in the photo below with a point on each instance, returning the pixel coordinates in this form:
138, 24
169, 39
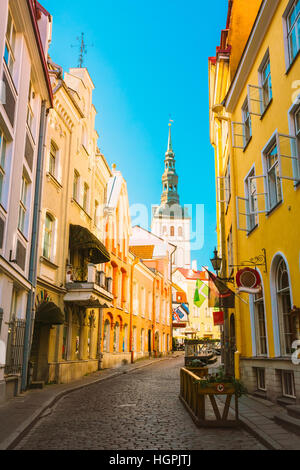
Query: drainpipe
32, 276
171, 276
135, 262
235, 254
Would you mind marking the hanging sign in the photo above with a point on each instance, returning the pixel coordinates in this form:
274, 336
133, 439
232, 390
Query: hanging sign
248, 280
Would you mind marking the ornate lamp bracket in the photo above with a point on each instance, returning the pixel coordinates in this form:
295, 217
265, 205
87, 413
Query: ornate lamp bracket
260, 260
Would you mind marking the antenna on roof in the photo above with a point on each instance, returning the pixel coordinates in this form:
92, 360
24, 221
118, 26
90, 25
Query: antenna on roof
82, 50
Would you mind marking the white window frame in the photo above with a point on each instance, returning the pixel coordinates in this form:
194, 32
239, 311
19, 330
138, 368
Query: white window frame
246, 118
261, 385
288, 11
283, 383
3, 155
10, 44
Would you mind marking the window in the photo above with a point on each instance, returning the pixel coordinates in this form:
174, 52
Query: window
266, 83
261, 378
284, 307
150, 305
180, 232
85, 197
230, 251
76, 185
2, 162
273, 177
125, 339
53, 159
10, 39
260, 326
252, 205
293, 30
142, 340
288, 384
23, 205
30, 115
247, 123
134, 333
297, 129
96, 213
116, 337
106, 337
172, 231
227, 185
48, 236
143, 299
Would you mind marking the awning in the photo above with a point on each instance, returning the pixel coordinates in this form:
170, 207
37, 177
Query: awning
49, 313
82, 238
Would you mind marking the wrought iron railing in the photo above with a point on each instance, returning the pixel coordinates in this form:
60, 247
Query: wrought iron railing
15, 347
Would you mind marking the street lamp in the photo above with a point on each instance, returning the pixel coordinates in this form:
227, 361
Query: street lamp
216, 262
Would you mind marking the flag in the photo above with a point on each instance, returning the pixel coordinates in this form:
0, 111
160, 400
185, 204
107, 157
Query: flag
201, 293
218, 318
175, 316
220, 296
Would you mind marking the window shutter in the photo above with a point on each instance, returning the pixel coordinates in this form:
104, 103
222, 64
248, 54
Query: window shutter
21, 255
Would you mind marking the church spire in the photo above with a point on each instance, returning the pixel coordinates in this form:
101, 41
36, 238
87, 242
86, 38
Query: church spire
170, 149
170, 179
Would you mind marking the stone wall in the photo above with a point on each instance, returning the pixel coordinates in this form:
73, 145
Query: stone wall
273, 382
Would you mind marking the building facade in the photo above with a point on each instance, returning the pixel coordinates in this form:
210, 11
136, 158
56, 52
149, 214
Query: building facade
170, 220
26, 95
72, 287
254, 129
200, 319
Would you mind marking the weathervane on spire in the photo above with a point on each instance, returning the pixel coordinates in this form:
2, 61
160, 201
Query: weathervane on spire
170, 149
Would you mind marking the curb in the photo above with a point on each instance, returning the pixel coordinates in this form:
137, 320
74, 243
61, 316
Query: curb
261, 436
22, 430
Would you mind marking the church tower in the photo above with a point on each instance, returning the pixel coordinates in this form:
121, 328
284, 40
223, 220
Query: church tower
170, 220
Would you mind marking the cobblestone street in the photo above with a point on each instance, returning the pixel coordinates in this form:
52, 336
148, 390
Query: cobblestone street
136, 411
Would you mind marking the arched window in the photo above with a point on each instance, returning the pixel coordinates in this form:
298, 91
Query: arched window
116, 337
172, 231
260, 325
142, 340
134, 338
125, 338
48, 236
180, 231
283, 294
106, 339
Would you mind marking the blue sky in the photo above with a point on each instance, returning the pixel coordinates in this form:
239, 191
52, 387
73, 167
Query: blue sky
149, 61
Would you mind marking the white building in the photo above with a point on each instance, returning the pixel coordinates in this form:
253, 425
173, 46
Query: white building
170, 220
25, 32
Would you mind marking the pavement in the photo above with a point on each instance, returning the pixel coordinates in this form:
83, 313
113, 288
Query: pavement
133, 407
257, 417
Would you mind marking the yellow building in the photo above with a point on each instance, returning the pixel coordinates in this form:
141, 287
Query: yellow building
254, 127
72, 287
200, 319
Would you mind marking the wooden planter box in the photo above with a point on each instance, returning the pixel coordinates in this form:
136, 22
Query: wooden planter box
199, 371
216, 388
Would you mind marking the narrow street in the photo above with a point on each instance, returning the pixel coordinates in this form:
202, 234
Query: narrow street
137, 411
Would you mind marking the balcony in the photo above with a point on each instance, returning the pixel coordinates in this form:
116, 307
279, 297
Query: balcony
88, 287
